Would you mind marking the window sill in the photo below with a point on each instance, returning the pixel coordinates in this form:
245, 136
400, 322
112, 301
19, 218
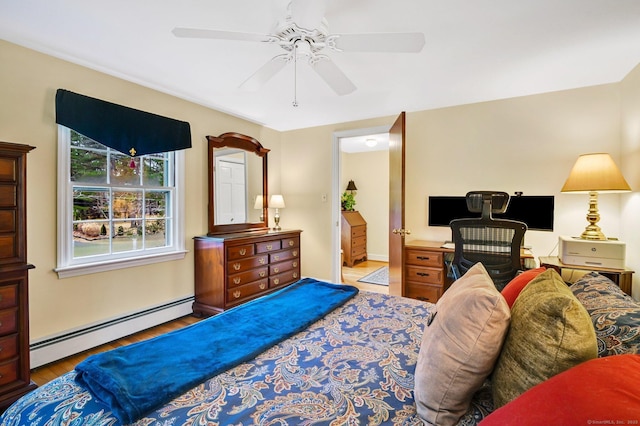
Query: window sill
76, 270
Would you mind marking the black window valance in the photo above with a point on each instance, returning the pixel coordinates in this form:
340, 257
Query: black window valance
124, 129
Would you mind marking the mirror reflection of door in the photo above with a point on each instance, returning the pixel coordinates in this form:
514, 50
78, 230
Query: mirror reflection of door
231, 190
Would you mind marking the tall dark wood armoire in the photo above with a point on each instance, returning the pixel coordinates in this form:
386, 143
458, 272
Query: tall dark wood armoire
15, 374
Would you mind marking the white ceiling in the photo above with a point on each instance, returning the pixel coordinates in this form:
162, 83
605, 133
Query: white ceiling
476, 50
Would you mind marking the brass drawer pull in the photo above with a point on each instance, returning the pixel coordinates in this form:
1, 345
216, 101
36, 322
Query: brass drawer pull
269, 247
243, 251
237, 280
276, 270
423, 257
237, 294
295, 264
295, 253
276, 257
263, 286
422, 274
236, 266
290, 243
276, 281
262, 274
295, 275
262, 261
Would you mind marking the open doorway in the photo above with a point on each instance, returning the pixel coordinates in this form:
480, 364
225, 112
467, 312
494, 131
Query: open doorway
362, 156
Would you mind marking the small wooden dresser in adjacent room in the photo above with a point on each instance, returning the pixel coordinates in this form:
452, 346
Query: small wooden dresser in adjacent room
425, 270
353, 230
231, 269
15, 372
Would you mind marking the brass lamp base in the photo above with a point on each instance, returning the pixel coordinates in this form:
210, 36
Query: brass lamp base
276, 219
592, 231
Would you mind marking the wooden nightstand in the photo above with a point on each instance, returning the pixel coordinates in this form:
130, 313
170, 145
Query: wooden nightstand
425, 271
622, 277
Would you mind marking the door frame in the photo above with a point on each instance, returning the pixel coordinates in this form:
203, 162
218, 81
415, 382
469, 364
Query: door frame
336, 192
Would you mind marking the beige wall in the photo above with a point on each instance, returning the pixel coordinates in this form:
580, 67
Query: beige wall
524, 144
28, 82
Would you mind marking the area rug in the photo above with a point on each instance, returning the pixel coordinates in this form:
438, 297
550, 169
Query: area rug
379, 276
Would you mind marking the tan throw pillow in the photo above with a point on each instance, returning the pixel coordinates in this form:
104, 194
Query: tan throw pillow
459, 347
550, 332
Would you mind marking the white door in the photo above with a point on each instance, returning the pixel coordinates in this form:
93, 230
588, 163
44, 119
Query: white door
231, 204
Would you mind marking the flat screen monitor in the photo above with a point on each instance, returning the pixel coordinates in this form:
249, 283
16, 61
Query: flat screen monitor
534, 210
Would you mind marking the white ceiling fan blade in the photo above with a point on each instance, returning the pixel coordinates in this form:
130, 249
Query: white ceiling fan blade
308, 14
332, 75
221, 35
378, 42
265, 73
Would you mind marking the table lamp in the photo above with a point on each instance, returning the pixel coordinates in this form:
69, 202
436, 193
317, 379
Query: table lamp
276, 202
595, 173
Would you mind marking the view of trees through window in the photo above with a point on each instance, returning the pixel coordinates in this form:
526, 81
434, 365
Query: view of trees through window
120, 203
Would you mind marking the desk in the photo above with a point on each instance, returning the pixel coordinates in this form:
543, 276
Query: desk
622, 277
425, 270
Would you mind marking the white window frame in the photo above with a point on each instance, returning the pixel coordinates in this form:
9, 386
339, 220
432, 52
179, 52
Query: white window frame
70, 267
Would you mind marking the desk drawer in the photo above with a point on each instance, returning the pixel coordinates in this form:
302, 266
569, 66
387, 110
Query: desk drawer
238, 266
433, 259
284, 255
424, 275
246, 277
269, 246
358, 231
240, 252
426, 293
237, 294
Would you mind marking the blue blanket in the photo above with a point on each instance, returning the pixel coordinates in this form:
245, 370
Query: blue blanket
133, 380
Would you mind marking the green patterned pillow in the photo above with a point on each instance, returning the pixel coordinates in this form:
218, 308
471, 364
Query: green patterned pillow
550, 332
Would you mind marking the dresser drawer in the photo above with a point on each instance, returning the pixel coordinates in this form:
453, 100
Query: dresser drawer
8, 372
268, 246
424, 275
290, 242
247, 277
426, 293
8, 321
8, 347
7, 221
240, 252
281, 267
242, 265
433, 259
284, 255
358, 231
237, 294
284, 278
359, 241
8, 296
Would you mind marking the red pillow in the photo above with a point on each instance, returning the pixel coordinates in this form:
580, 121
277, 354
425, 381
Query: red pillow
515, 286
599, 390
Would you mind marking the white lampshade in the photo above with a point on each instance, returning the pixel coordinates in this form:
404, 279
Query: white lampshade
258, 204
276, 202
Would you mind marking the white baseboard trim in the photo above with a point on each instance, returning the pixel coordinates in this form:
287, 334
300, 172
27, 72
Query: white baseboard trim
54, 348
378, 257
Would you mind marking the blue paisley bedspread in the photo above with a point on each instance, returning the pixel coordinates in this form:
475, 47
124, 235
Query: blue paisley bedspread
355, 366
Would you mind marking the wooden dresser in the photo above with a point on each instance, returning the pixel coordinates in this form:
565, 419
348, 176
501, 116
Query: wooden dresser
231, 269
425, 270
15, 375
353, 230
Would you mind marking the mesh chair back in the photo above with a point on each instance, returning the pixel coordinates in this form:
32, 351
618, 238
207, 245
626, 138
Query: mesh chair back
495, 243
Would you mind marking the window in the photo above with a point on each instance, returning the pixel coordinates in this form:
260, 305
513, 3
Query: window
116, 211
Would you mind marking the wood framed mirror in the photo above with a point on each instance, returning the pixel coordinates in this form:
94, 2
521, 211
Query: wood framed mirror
237, 184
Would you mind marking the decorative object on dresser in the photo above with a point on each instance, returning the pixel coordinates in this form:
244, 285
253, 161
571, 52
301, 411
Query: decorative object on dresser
353, 230
231, 269
425, 271
276, 202
15, 376
593, 173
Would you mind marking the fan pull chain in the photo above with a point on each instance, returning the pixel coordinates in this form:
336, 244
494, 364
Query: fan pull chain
295, 75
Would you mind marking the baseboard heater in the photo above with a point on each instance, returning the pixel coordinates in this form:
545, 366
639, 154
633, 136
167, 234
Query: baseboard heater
57, 347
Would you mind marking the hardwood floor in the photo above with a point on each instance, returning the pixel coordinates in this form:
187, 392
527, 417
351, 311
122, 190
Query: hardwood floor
46, 373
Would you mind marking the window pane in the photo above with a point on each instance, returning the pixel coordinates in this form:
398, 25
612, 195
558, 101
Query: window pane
127, 235
155, 169
90, 238
155, 235
124, 169
90, 203
127, 204
78, 140
156, 204
88, 166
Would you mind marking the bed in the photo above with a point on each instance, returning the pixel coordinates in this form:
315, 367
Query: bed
353, 366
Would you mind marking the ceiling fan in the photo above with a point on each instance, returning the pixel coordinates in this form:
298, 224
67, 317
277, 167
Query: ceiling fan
304, 34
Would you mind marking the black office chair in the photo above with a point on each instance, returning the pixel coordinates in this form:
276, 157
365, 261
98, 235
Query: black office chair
496, 243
